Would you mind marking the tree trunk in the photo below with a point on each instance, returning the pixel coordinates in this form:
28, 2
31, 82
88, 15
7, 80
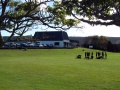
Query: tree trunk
1, 40
10, 37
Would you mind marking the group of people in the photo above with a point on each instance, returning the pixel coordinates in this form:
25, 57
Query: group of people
89, 55
99, 55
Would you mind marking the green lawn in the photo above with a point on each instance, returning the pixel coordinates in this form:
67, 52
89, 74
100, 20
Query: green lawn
57, 69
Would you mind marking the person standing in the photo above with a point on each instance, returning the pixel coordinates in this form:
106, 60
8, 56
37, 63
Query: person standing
105, 55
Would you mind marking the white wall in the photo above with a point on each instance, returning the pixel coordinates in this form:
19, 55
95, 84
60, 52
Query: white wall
61, 44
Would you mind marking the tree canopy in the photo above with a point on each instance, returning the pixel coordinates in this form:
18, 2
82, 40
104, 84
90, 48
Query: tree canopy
16, 17
98, 42
13, 11
95, 12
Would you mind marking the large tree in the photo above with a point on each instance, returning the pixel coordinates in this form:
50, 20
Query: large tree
98, 42
16, 17
95, 12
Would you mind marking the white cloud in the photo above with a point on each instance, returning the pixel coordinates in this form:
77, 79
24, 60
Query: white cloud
88, 30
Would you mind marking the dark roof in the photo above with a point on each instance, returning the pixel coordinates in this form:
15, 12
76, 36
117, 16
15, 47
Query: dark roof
51, 36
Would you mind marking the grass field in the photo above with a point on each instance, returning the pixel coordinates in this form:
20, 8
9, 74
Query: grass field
57, 69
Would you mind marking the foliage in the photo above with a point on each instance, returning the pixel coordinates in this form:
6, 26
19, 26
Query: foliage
18, 17
98, 42
59, 15
103, 12
113, 47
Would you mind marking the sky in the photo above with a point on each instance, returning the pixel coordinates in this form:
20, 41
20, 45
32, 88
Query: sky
100, 30
87, 30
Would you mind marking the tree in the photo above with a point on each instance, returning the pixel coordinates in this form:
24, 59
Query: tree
110, 47
98, 42
87, 41
95, 40
94, 12
103, 41
16, 17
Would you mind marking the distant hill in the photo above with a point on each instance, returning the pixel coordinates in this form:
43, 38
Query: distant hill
81, 39
114, 39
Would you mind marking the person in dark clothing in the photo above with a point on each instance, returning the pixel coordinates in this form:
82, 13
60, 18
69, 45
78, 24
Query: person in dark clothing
105, 55
102, 55
92, 55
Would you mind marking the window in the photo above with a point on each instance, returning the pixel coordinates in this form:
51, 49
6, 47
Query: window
56, 43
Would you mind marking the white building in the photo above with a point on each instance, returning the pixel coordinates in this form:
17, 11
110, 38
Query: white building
53, 38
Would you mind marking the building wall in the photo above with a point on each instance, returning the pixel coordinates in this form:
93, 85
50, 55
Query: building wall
55, 43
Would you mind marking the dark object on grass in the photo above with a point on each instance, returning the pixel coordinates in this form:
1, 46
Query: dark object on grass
78, 56
25, 49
